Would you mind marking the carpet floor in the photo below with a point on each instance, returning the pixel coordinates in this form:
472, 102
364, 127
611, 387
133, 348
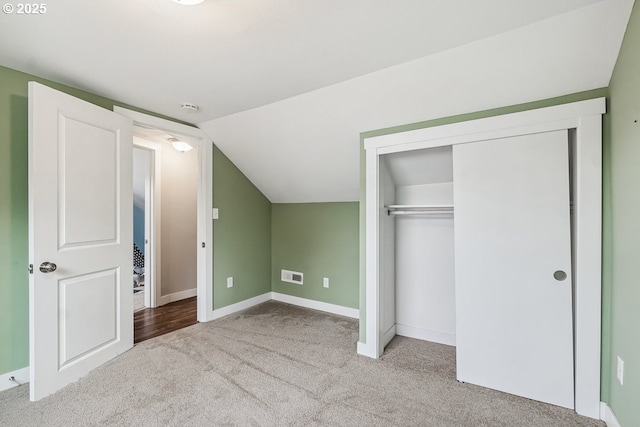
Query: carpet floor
278, 365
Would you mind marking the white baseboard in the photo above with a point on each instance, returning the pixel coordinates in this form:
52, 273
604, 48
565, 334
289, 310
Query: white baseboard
177, 296
242, 305
276, 296
21, 377
317, 305
426, 334
607, 415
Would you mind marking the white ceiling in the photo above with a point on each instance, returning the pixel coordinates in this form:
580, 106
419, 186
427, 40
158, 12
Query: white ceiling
286, 86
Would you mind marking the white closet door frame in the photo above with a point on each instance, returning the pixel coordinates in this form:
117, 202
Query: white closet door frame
586, 118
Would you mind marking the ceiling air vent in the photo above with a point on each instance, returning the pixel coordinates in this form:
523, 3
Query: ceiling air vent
291, 277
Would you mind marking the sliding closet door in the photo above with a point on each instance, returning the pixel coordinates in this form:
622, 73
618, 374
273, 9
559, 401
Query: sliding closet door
513, 266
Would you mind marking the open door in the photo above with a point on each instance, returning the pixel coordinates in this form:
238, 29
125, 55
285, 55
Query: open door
80, 238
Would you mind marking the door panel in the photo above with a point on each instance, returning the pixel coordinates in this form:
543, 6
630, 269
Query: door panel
86, 328
512, 232
90, 205
80, 218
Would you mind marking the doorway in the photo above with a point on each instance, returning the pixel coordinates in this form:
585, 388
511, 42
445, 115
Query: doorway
204, 213
165, 202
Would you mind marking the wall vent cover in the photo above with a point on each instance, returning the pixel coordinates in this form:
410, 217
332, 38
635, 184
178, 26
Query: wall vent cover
291, 277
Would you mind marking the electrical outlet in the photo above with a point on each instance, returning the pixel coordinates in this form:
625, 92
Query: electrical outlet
325, 282
620, 371
229, 282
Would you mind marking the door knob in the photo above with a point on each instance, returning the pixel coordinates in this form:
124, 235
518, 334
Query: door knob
48, 267
560, 275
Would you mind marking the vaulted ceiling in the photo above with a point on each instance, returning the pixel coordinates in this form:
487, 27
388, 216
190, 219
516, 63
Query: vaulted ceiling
286, 86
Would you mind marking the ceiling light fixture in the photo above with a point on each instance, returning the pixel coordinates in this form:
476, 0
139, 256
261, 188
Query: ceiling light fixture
181, 146
188, 2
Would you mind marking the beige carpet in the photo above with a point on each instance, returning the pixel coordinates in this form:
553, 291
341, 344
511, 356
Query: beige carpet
278, 365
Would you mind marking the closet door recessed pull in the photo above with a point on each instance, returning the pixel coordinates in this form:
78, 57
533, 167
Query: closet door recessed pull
560, 275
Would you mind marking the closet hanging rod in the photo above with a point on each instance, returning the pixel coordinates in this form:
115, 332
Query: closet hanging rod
420, 210
423, 213
424, 207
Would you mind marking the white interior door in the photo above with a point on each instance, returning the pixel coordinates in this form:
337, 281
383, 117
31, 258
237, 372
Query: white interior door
512, 233
80, 219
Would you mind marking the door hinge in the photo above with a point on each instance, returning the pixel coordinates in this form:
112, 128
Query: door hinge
30, 268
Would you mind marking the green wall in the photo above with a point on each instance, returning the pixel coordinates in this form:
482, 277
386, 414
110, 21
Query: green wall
14, 289
242, 238
242, 235
319, 240
624, 229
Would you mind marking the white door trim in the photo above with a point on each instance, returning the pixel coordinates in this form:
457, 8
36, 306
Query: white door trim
205, 202
152, 217
586, 118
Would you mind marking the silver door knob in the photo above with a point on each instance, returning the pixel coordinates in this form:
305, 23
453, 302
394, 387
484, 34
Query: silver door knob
48, 267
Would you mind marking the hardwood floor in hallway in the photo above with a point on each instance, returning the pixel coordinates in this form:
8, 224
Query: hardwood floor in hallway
153, 322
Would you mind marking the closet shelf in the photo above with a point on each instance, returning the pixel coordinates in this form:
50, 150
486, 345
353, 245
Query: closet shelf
436, 210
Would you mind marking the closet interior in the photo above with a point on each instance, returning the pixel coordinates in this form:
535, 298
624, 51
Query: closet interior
417, 188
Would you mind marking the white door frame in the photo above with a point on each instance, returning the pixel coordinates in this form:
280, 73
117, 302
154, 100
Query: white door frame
152, 221
586, 118
205, 202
